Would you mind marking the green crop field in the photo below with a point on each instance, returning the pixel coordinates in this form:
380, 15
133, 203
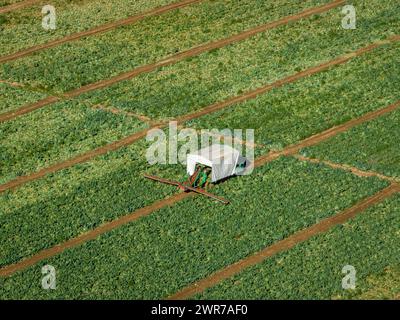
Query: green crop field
79, 102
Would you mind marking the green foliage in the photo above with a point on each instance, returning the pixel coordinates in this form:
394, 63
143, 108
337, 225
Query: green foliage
371, 146
211, 77
94, 58
72, 16
57, 133
161, 253
313, 269
63, 205
12, 98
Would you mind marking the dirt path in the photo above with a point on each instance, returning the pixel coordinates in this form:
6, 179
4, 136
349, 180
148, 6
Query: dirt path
92, 234
171, 60
18, 5
284, 244
218, 106
356, 171
97, 30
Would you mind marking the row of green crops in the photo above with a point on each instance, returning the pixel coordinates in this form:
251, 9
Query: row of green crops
313, 269
371, 146
12, 98
54, 209
301, 109
23, 28
54, 134
233, 70
163, 252
283, 116
81, 62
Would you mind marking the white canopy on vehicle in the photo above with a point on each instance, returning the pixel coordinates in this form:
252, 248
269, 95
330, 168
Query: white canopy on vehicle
222, 159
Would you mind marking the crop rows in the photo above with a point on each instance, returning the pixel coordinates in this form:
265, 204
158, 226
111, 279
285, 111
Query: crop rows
71, 128
72, 16
12, 98
116, 94
147, 256
211, 77
371, 146
93, 58
74, 192
313, 269
280, 117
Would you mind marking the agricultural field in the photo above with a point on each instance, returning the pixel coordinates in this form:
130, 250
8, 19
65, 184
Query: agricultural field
79, 103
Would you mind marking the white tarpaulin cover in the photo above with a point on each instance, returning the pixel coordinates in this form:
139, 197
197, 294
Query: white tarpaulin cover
222, 159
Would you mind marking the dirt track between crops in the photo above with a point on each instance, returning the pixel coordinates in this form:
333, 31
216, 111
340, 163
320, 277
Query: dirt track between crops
92, 234
356, 171
218, 106
284, 244
18, 5
97, 30
171, 60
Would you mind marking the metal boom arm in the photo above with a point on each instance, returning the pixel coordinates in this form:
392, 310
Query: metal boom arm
187, 188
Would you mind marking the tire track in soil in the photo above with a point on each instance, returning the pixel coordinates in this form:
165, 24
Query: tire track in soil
215, 107
284, 245
142, 212
346, 167
18, 5
170, 60
97, 30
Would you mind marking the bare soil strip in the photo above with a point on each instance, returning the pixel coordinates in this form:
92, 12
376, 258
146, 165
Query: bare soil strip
218, 106
92, 234
18, 5
97, 30
171, 60
356, 171
122, 112
284, 244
